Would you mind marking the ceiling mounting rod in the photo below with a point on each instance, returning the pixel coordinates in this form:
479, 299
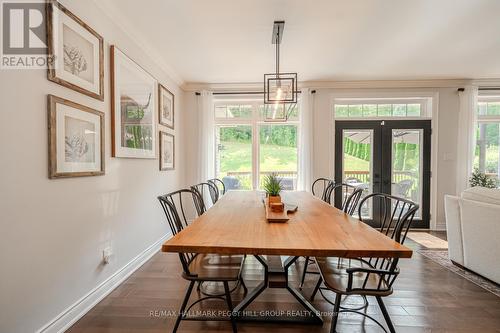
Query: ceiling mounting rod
278, 28
277, 32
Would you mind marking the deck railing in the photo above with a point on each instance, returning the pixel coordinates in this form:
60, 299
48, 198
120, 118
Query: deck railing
364, 176
291, 176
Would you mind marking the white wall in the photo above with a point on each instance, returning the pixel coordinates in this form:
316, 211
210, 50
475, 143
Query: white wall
52, 232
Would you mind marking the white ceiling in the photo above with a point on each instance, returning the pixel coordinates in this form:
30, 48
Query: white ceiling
221, 41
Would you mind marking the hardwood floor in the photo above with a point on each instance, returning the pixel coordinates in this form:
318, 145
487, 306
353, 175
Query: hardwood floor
427, 298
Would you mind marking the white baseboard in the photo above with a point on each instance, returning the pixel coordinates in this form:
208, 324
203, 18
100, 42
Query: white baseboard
69, 316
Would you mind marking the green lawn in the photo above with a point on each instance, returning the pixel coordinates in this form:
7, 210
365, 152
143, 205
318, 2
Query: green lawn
491, 160
236, 156
355, 164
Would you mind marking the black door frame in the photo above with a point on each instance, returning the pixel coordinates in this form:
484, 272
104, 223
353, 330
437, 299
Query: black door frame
382, 157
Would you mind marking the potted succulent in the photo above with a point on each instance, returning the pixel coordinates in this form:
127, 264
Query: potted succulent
273, 187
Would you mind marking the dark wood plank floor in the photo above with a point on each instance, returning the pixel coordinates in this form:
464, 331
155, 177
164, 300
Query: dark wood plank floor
427, 298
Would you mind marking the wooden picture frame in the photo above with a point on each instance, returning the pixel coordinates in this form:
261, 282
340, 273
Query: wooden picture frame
77, 50
133, 108
166, 107
75, 139
167, 151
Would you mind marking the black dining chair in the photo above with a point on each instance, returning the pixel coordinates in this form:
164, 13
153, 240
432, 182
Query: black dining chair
344, 196
199, 268
320, 187
369, 276
207, 189
349, 196
219, 184
203, 189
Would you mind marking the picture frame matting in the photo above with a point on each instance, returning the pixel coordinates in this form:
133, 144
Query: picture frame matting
167, 148
80, 159
73, 72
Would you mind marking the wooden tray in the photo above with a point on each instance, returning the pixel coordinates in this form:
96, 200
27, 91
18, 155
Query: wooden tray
281, 217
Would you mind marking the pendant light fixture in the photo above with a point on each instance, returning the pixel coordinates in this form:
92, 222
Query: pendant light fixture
280, 89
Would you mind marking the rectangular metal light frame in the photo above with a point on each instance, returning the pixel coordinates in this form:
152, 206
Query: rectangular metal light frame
281, 76
285, 109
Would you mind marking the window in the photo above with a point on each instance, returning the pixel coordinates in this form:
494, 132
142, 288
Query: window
248, 148
487, 153
278, 153
233, 111
234, 155
377, 108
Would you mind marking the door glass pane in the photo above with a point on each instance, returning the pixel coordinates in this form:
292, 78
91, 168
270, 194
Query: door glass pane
355, 110
407, 165
278, 153
413, 110
369, 110
341, 111
399, 110
234, 156
357, 161
487, 153
384, 110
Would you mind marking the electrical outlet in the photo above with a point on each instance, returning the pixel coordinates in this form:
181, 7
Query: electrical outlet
106, 255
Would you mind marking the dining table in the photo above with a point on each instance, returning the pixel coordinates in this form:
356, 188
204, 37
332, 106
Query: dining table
236, 225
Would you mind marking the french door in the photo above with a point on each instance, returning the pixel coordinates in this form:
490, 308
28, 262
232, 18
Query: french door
389, 156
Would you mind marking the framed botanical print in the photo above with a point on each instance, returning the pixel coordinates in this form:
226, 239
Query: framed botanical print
167, 151
78, 52
133, 108
165, 107
76, 139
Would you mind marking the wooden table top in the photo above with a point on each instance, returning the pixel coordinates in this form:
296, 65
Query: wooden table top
236, 224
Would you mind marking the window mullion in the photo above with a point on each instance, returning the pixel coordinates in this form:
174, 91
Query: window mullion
255, 148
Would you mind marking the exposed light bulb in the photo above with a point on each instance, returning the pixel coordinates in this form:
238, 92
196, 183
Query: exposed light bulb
279, 93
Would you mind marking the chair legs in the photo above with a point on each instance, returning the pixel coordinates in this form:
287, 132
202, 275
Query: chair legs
245, 289
304, 273
318, 284
230, 305
336, 312
183, 306
386, 314
227, 294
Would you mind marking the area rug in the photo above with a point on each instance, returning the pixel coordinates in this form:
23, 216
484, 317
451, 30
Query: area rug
427, 240
441, 257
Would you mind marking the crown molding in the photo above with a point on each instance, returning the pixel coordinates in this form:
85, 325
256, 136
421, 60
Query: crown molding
388, 84
198, 86
367, 84
492, 82
117, 18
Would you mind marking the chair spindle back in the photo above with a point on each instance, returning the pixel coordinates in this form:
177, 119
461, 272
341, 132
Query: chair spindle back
320, 188
395, 218
177, 205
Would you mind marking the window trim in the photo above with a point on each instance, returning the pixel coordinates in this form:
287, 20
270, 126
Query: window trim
254, 122
487, 119
433, 97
